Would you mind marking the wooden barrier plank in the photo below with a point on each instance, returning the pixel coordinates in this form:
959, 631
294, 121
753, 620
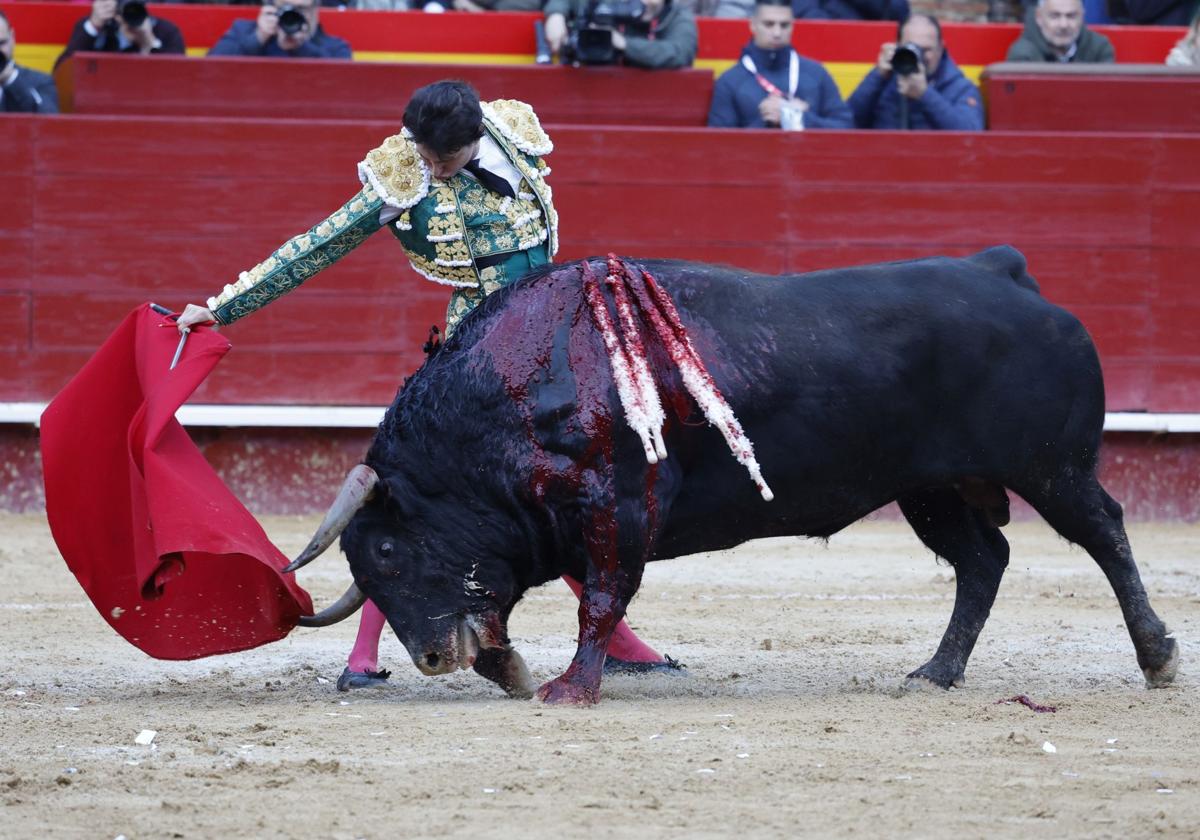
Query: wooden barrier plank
1173, 271
382, 323
266, 88
1176, 327
1120, 255
1070, 275
16, 319
1175, 217
1127, 384
1121, 331
1105, 98
939, 216
1175, 382
174, 267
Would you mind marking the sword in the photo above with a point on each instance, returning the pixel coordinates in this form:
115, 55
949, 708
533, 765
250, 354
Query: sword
186, 331
179, 350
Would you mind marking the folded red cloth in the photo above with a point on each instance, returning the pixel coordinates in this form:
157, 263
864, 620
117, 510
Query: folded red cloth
167, 554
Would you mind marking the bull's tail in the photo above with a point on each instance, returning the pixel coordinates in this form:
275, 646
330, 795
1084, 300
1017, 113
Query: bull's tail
1005, 259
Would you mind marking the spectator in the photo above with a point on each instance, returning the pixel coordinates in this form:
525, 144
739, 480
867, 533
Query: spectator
773, 85
896, 10
123, 26
22, 89
1056, 32
936, 96
1152, 12
1186, 53
279, 33
664, 38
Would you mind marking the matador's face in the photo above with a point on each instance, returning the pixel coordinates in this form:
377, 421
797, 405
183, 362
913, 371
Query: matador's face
448, 164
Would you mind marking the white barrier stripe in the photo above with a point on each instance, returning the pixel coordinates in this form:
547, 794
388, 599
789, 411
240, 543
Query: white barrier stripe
368, 417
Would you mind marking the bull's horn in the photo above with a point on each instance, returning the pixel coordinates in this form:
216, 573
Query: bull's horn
344, 607
357, 489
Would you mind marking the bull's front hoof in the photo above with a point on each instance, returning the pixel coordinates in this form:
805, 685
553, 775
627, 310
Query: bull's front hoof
560, 692
922, 680
1164, 675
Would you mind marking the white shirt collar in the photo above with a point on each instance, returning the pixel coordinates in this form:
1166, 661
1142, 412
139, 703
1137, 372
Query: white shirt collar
493, 159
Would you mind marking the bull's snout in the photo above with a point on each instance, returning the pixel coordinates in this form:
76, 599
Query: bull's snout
435, 662
459, 651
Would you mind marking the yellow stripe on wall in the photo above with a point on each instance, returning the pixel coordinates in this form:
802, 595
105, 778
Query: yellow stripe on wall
37, 56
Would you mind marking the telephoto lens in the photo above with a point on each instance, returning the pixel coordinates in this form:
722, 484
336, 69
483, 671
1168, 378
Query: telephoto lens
907, 60
291, 20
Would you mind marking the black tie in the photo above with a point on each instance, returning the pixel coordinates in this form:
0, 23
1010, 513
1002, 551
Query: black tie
490, 179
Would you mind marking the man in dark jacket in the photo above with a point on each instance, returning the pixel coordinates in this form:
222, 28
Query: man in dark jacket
21, 89
123, 26
936, 96
1056, 32
773, 85
896, 10
282, 33
664, 38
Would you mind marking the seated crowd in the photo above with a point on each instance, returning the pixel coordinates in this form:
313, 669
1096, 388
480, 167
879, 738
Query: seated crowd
914, 83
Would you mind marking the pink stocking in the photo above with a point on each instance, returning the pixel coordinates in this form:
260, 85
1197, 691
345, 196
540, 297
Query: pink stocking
624, 645
365, 654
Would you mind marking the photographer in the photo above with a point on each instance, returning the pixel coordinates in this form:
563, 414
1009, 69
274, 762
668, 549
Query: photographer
123, 26
22, 90
662, 37
772, 85
284, 29
915, 84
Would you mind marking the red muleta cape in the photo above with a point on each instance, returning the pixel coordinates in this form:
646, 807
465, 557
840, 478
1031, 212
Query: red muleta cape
169, 557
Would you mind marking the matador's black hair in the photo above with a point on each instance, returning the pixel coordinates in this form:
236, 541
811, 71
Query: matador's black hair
444, 116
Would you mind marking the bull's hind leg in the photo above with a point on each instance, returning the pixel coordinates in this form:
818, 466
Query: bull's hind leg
1077, 507
977, 550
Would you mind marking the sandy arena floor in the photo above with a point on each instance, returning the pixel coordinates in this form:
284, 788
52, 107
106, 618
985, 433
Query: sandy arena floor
788, 721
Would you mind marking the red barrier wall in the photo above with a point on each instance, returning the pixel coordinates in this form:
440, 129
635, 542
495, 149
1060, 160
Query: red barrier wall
512, 33
1148, 98
266, 88
175, 208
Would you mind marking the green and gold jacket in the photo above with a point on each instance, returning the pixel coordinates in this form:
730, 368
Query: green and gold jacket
443, 226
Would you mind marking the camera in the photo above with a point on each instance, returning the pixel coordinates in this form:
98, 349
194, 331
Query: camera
908, 59
291, 20
589, 39
134, 13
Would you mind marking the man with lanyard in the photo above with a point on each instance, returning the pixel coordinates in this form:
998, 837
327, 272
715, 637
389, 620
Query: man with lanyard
773, 86
463, 188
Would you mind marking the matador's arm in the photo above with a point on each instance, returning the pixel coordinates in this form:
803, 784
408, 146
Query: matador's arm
300, 258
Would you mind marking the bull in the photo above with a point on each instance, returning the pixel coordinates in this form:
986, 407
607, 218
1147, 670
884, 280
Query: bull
513, 455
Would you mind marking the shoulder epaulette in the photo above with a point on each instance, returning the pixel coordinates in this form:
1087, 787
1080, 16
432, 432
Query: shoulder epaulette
396, 172
519, 125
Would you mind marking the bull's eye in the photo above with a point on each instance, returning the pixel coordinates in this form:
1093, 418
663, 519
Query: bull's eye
385, 548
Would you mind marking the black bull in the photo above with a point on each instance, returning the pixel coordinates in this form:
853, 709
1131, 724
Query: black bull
506, 461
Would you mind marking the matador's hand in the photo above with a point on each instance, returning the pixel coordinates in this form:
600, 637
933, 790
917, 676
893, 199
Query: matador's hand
193, 315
